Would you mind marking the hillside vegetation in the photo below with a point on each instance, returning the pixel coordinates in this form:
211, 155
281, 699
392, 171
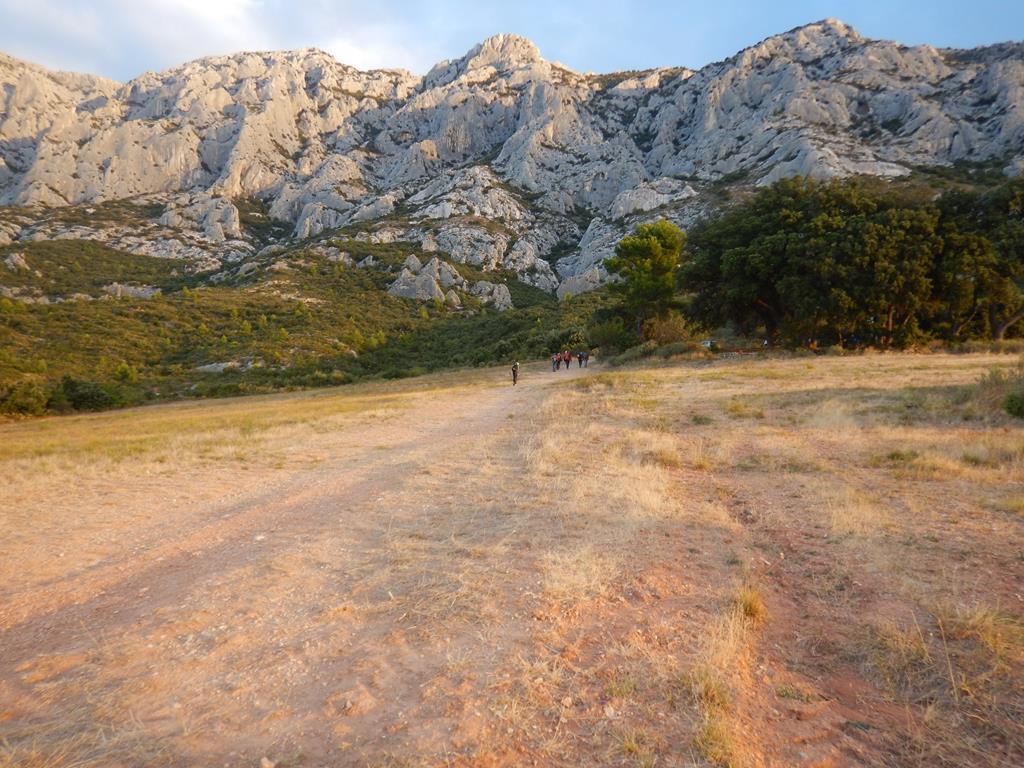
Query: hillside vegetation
302, 321
850, 264
861, 262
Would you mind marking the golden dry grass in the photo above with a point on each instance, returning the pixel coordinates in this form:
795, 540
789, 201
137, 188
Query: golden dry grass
714, 679
901, 462
603, 574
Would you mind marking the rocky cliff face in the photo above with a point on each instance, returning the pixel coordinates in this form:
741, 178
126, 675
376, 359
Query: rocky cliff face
499, 159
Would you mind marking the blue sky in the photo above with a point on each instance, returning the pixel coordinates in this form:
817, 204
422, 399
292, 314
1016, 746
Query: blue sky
123, 38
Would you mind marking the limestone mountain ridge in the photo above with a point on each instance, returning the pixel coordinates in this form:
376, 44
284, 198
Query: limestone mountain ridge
499, 159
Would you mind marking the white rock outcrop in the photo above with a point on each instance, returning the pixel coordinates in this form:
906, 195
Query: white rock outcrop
585, 281
15, 262
444, 273
123, 290
499, 159
491, 294
422, 287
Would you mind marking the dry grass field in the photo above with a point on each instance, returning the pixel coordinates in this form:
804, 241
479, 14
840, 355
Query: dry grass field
747, 562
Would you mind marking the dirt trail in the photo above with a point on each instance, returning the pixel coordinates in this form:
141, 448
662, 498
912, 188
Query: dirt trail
226, 633
456, 572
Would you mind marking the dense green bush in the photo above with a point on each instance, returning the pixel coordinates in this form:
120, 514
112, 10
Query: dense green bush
859, 262
610, 336
566, 338
633, 354
1013, 404
84, 395
670, 329
25, 399
681, 348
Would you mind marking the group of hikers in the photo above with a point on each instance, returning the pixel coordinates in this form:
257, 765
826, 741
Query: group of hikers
557, 361
565, 358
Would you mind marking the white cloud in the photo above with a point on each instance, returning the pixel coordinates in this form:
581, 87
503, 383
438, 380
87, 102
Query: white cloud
383, 49
173, 31
123, 38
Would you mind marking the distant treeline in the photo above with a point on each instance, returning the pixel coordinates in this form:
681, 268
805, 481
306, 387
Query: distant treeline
859, 262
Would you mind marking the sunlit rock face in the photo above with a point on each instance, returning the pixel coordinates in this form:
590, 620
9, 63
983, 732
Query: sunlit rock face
500, 159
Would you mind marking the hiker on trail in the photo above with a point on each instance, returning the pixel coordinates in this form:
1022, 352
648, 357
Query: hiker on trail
586, 358
566, 358
556, 360
515, 372
579, 359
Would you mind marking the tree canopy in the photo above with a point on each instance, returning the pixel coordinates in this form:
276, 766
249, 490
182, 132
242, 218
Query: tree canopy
856, 262
646, 263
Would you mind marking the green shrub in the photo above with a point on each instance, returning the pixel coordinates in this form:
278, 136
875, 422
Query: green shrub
127, 373
610, 336
996, 388
566, 338
26, 399
1013, 404
679, 348
633, 354
84, 395
576, 338
671, 329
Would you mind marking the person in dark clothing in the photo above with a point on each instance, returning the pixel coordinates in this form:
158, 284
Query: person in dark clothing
515, 372
579, 359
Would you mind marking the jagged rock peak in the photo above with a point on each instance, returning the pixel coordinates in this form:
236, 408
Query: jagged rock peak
826, 28
498, 158
502, 51
302, 58
805, 42
11, 64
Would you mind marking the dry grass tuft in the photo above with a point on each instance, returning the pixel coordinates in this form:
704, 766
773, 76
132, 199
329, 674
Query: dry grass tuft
850, 511
1013, 505
718, 741
709, 688
960, 669
749, 602
667, 457
620, 687
994, 452
900, 656
1001, 635
578, 574
601, 382
701, 455
737, 408
635, 745
713, 678
794, 692
79, 743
